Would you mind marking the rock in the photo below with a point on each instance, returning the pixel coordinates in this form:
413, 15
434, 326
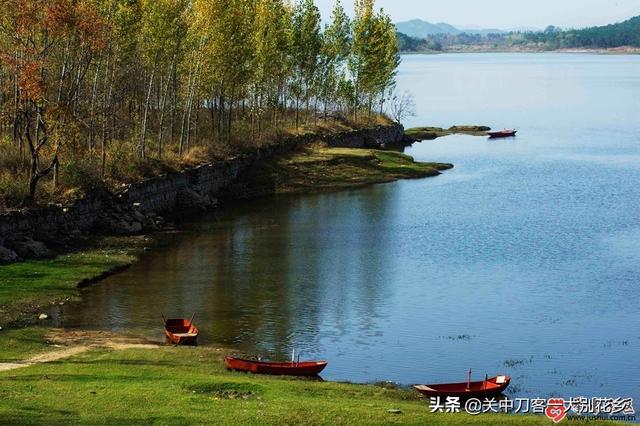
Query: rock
139, 216
43, 317
190, 200
135, 227
8, 256
125, 228
28, 248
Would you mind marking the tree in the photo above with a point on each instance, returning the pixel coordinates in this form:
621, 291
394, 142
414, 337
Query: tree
386, 58
360, 59
402, 106
271, 61
162, 31
336, 44
43, 108
306, 45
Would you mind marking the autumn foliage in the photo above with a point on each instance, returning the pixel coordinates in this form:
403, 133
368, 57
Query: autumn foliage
107, 86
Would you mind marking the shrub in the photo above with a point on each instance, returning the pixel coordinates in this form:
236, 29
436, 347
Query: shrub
13, 190
10, 158
82, 174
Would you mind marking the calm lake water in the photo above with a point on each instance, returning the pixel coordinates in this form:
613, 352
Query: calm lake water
523, 260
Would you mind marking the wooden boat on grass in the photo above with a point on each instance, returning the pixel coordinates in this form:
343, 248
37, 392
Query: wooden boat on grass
490, 387
180, 331
309, 368
506, 133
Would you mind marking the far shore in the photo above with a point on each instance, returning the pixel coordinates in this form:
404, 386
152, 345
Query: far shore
623, 50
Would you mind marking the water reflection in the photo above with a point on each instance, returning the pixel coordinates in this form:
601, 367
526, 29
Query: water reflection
523, 260
264, 277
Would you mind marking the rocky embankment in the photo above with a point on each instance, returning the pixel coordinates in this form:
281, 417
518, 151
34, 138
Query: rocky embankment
146, 206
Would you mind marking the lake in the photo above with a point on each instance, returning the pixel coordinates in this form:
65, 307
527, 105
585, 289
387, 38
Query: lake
523, 260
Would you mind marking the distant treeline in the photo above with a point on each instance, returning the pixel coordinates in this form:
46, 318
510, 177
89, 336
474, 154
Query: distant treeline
625, 33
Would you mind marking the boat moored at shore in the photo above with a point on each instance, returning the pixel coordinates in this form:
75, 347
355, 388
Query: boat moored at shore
308, 368
490, 387
180, 331
505, 133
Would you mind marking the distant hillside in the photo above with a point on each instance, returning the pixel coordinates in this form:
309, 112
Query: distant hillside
418, 28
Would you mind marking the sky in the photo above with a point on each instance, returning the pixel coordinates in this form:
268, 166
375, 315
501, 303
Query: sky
504, 14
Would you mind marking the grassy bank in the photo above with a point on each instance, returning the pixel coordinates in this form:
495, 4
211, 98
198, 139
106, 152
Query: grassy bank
23, 343
169, 385
81, 174
28, 288
326, 168
430, 133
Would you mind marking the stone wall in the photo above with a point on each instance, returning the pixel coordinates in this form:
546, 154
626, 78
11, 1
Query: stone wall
138, 206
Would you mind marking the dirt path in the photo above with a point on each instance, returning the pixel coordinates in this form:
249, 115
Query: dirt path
71, 343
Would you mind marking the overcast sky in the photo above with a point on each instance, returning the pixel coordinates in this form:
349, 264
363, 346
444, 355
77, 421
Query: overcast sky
504, 13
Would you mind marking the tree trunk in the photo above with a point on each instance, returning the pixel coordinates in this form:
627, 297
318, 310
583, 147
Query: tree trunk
163, 104
174, 101
230, 118
16, 97
143, 137
94, 89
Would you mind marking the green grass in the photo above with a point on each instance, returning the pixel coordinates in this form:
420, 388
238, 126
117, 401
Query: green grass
26, 286
22, 344
333, 168
191, 386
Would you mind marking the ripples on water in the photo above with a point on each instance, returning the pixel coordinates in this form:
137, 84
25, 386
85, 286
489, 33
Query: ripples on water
523, 260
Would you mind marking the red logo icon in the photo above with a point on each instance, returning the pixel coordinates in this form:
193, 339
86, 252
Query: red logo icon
556, 410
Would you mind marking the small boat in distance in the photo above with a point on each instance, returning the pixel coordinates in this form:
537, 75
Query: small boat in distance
487, 388
181, 331
309, 368
505, 133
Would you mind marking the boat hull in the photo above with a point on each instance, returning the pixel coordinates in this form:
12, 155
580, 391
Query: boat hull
489, 388
181, 331
502, 134
312, 368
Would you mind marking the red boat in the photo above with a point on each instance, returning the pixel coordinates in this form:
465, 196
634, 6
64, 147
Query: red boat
506, 133
487, 388
309, 368
181, 331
